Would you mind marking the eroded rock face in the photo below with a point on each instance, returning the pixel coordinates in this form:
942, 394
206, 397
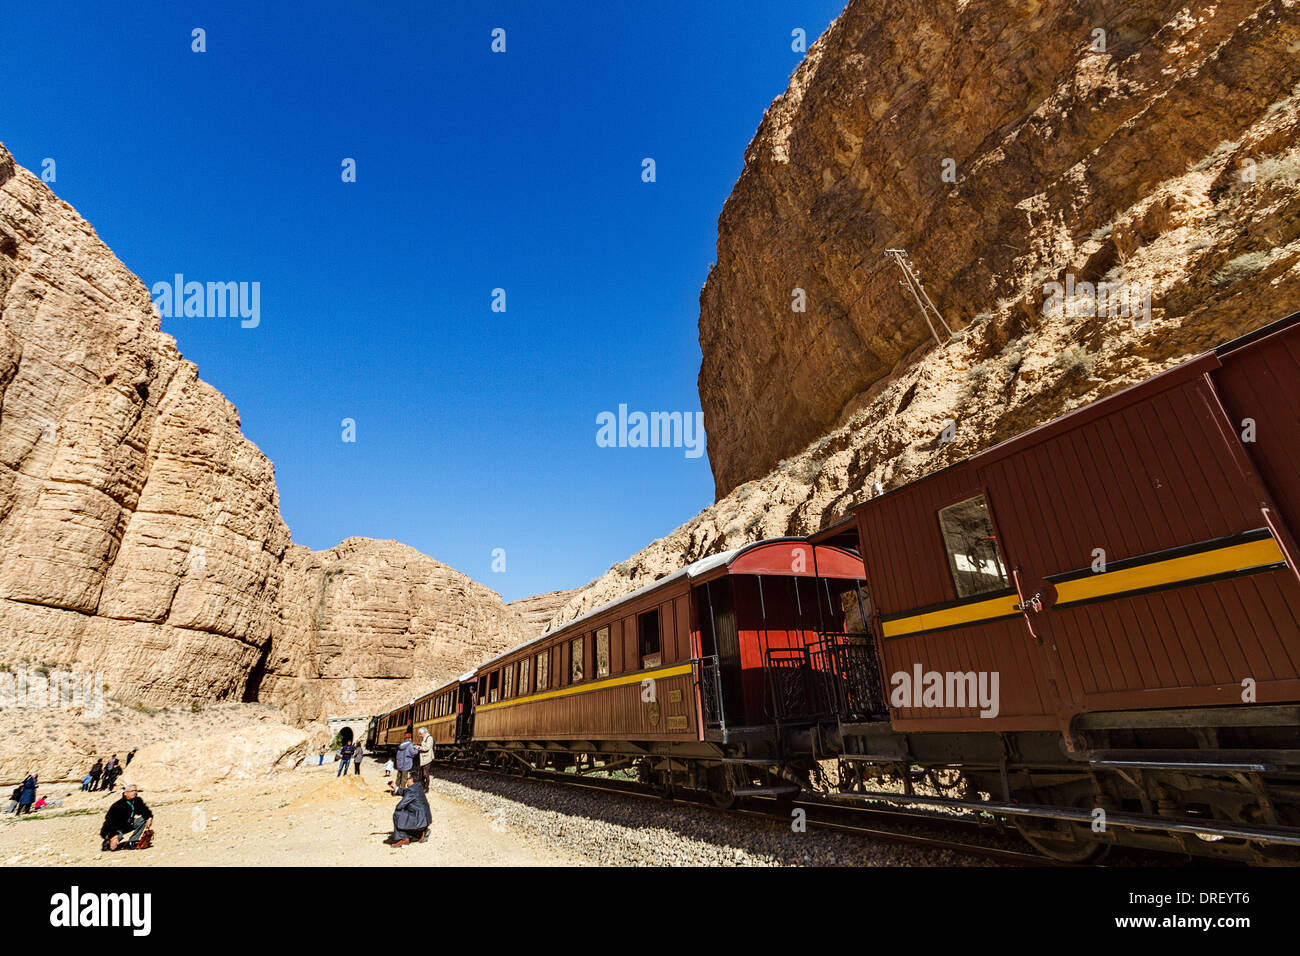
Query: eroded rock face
1129, 164
423, 623
1170, 161
140, 531
536, 611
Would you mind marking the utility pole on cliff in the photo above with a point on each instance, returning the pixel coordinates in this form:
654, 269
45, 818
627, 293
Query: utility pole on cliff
914, 286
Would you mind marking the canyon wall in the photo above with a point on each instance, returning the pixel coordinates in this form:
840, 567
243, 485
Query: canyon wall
1168, 163
140, 531
1138, 143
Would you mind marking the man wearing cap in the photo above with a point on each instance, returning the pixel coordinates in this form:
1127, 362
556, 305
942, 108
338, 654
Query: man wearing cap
129, 815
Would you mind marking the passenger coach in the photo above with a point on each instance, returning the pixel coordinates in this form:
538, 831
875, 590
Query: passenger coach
670, 678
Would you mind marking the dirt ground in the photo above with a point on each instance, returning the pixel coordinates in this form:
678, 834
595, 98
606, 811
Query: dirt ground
303, 817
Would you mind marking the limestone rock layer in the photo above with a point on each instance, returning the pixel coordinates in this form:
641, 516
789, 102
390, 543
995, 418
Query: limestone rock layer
140, 531
1150, 142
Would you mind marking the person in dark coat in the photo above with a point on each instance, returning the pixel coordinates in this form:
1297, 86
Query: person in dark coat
27, 796
411, 816
95, 773
128, 815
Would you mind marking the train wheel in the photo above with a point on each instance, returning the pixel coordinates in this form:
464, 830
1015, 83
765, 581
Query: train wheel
1062, 840
723, 799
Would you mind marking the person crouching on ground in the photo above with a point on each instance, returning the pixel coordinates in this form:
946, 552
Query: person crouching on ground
411, 816
129, 815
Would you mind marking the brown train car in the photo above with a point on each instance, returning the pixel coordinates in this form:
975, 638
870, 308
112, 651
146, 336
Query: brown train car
675, 668
392, 726
1129, 556
1102, 615
588, 679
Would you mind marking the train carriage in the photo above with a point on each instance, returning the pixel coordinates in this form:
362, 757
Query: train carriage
671, 678
1101, 615
1123, 580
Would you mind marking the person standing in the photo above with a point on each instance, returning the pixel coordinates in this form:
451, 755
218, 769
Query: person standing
27, 796
345, 757
388, 767
110, 773
405, 758
426, 756
356, 759
321, 762
95, 773
128, 759
132, 815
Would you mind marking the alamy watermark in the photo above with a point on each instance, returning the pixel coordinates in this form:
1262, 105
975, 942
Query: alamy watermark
1103, 300
210, 300
653, 430
25, 687
922, 688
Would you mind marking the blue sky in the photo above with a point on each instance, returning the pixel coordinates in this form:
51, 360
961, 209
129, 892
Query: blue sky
475, 430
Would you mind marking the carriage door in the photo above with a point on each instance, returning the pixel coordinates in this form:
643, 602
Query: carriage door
989, 632
465, 711
719, 670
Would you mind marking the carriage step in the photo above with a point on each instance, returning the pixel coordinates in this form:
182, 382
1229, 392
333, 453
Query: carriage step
765, 791
1192, 765
875, 758
753, 761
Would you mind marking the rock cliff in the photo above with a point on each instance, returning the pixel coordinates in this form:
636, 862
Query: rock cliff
1167, 163
1003, 146
140, 531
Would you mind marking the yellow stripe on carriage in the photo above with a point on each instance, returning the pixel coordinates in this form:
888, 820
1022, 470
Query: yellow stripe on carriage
675, 671
1155, 574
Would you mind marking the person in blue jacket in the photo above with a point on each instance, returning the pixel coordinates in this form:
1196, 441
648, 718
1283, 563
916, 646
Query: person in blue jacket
406, 756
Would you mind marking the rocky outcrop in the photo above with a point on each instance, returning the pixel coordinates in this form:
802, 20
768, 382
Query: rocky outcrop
1150, 143
536, 612
244, 753
422, 622
140, 531
1169, 162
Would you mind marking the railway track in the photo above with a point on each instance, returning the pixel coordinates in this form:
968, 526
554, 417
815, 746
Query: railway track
868, 823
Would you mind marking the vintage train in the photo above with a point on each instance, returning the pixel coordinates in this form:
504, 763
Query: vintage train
1091, 629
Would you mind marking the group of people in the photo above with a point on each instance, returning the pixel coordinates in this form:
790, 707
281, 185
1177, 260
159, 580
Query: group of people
413, 760
350, 753
411, 816
127, 824
103, 775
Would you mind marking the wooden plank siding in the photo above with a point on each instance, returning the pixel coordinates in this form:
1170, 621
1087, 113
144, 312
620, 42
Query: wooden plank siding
1148, 480
608, 707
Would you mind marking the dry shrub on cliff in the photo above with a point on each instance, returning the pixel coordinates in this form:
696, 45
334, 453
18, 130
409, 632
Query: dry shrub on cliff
1242, 267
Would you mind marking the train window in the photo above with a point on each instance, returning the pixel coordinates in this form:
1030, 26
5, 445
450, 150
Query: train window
648, 626
973, 554
523, 675
542, 660
602, 652
508, 687
576, 658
